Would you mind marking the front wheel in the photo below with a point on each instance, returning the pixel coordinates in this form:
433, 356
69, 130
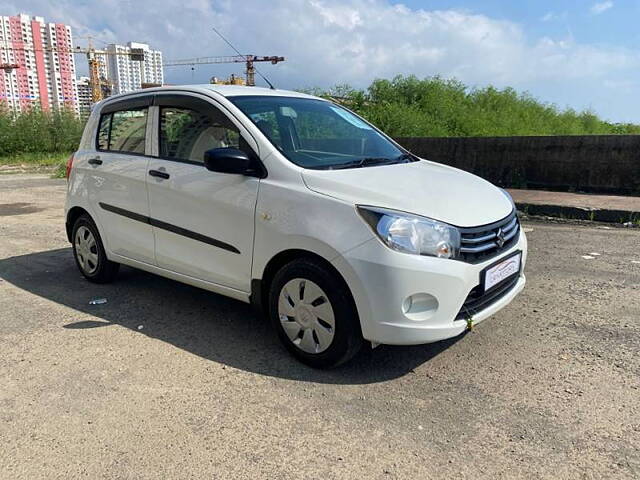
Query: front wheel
314, 315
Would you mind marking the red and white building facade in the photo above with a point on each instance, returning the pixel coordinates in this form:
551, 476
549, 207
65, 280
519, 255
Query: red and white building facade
45, 72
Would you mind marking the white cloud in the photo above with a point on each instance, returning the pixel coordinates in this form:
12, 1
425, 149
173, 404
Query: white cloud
625, 84
601, 7
553, 16
327, 42
341, 16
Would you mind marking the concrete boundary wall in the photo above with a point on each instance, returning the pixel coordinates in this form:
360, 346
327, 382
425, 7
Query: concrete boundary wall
595, 164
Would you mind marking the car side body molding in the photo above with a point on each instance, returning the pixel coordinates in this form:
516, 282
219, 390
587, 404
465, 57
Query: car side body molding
169, 227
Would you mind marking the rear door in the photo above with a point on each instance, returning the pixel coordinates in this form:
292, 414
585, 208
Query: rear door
117, 174
203, 221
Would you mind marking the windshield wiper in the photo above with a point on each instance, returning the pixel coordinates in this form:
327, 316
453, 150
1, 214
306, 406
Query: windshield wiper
410, 157
369, 161
363, 162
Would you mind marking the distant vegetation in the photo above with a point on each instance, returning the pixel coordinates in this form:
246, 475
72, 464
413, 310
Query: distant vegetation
437, 107
403, 106
38, 132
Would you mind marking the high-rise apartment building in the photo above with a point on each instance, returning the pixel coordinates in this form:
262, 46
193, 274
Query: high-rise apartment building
84, 95
36, 64
128, 74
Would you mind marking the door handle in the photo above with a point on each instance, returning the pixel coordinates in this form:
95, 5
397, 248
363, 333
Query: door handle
159, 174
95, 161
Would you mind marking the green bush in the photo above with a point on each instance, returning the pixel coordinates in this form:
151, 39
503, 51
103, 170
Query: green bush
403, 106
38, 131
437, 107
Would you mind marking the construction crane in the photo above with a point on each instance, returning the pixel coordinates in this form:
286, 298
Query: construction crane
98, 84
248, 60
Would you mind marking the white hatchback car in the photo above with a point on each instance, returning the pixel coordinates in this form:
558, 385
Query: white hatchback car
297, 205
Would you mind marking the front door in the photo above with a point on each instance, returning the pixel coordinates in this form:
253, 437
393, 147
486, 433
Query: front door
203, 221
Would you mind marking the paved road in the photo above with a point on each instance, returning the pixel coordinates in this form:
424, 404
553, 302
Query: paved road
168, 381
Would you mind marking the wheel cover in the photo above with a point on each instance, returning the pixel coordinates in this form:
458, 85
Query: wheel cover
86, 250
306, 315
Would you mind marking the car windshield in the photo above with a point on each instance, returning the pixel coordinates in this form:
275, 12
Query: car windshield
318, 134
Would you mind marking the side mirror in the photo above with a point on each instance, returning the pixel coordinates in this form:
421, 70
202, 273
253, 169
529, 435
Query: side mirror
227, 160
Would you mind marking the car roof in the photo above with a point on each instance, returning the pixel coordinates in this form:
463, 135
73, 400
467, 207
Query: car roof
224, 90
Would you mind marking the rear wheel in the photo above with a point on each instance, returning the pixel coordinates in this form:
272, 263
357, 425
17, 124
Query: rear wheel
89, 253
314, 315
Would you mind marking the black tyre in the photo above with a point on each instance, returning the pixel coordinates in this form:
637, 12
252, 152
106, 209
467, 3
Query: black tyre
314, 314
89, 253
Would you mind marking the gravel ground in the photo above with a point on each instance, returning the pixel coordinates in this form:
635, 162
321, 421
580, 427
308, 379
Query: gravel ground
168, 381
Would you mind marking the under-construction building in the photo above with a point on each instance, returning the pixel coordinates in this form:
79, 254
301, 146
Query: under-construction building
84, 95
126, 74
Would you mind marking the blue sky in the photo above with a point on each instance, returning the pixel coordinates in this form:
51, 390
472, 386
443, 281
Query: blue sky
615, 25
578, 54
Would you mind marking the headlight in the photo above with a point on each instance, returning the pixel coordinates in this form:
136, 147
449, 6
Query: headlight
409, 233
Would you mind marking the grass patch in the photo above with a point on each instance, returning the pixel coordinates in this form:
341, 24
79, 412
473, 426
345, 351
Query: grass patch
60, 171
53, 163
35, 159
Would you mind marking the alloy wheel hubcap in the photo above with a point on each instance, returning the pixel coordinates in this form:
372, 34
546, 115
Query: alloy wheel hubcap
306, 315
86, 250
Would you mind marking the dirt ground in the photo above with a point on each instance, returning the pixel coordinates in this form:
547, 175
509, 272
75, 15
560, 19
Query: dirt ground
169, 381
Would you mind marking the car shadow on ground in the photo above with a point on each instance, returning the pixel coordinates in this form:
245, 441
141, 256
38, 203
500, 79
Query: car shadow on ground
211, 326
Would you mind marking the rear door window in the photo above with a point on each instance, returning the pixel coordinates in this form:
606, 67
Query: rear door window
123, 131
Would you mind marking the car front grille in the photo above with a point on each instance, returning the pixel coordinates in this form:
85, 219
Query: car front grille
483, 243
477, 300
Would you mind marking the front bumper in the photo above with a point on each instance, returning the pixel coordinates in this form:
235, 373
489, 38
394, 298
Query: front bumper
381, 280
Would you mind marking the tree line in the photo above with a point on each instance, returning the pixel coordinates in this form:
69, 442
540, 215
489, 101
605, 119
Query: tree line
39, 131
405, 106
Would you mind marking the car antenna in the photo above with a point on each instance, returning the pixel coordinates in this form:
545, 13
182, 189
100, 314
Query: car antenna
238, 52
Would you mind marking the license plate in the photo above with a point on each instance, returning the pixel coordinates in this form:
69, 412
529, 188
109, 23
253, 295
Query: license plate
502, 270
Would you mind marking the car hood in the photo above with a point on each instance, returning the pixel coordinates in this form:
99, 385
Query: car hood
424, 188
